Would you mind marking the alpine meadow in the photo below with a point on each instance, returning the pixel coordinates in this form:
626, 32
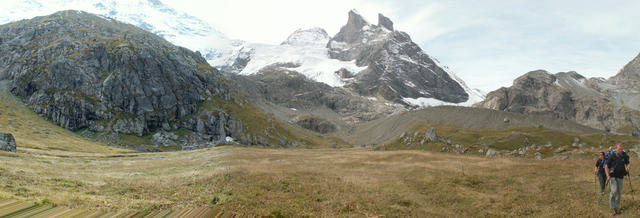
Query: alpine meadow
165, 108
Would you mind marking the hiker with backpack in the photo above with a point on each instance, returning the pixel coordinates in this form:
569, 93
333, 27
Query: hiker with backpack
599, 170
617, 166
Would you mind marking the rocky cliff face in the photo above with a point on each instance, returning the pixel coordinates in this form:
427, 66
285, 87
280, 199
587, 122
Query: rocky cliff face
397, 68
81, 71
612, 105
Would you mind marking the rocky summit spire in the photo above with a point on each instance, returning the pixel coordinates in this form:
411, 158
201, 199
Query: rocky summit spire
349, 32
385, 22
397, 68
356, 20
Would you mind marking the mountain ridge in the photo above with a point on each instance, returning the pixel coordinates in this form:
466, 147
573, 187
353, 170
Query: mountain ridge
422, 82
608, 104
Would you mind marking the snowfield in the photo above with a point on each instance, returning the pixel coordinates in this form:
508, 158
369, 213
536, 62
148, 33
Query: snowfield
314, 62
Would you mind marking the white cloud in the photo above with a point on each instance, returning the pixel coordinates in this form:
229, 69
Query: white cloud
273, 21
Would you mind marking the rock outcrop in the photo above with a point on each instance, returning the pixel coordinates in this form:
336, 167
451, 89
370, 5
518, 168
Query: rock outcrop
81, 71
432, 135
277, 84
7, 143
316, 124
612, 105
385, 22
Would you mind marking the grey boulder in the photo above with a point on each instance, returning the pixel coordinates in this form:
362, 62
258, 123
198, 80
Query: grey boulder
7, 142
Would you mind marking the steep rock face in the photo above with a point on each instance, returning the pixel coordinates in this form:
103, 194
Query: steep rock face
397, 67
594, 102
385, 22
83, 71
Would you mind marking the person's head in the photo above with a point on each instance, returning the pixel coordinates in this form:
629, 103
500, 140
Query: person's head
602, 155
610, 148
619, 148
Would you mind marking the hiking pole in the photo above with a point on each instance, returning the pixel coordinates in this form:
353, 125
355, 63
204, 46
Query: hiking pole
631, 186
595, 182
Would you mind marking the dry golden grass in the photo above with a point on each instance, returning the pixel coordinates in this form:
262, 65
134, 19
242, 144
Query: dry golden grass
319, 182
57, 166
410, 183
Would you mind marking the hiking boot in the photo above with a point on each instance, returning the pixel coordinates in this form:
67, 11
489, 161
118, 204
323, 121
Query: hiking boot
614, 212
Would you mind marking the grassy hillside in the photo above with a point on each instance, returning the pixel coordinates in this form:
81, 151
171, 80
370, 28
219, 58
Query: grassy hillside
508, 139
33, 134
259, 123
383, 130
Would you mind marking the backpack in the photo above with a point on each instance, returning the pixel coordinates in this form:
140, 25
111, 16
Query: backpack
617, 167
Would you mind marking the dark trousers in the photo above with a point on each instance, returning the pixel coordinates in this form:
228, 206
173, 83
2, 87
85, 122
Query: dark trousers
603, 180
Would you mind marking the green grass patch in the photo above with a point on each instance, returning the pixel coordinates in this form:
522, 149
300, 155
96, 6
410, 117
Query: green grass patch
204, 67
506, 139
626, 129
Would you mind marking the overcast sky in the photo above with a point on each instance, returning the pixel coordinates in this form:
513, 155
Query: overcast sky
487, 43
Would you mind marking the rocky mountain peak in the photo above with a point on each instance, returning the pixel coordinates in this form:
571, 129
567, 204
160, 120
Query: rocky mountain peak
385, 22
398, 69
573, 74
315, 37
630, 71
351, 31
151, 15
537, 78
356, 20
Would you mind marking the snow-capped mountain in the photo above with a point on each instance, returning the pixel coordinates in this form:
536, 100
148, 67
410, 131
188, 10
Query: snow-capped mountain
398, 70
152, 15
374, 61
304, 51
381, 63
314, 37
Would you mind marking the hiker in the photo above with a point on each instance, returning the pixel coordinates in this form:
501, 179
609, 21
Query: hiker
599, 170
617, 167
